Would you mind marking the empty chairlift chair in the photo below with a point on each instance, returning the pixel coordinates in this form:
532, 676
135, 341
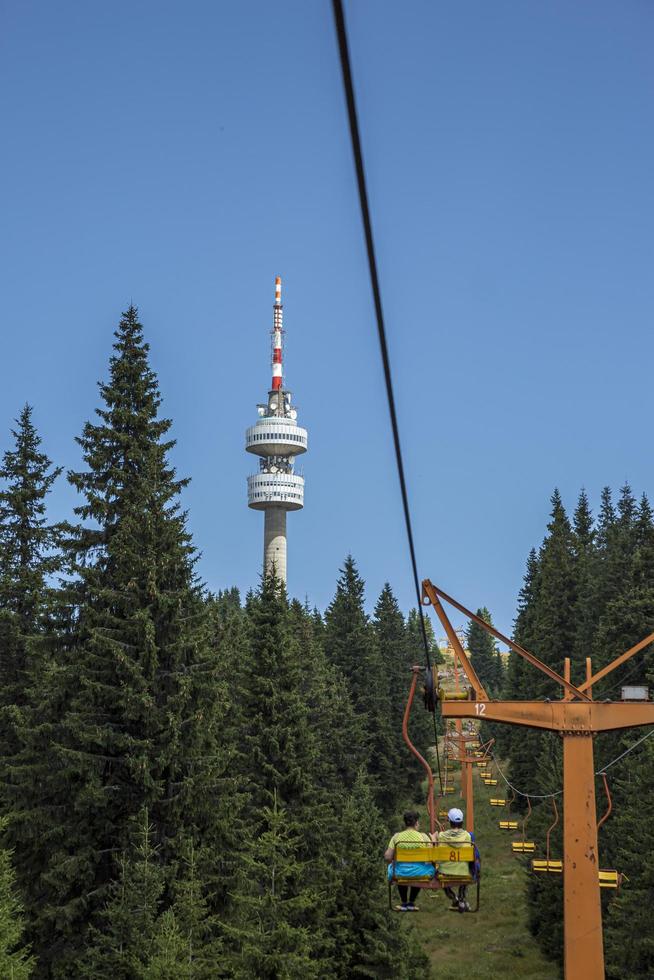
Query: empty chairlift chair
607, 878
509, 824
524, 846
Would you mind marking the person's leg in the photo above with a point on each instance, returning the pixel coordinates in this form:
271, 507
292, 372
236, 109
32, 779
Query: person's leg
402, 889
452, 896
413, 894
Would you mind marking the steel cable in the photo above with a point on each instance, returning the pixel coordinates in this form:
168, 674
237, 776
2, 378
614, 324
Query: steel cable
355, 138
601, 771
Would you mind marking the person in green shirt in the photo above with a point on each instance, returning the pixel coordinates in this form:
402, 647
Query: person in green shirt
418, 869
455, 835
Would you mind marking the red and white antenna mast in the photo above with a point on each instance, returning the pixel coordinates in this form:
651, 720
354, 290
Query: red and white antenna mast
277, 336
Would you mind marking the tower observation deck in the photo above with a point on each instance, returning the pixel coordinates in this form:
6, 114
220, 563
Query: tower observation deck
277, 439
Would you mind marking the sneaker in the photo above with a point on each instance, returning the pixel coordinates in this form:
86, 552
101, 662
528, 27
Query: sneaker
411, 907
463, 906
401, 908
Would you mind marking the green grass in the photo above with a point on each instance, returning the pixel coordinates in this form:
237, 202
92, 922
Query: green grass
496, 941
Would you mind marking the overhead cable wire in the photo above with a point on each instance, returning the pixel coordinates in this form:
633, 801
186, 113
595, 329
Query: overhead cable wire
600, 772
343, 47
531, 796
640, 741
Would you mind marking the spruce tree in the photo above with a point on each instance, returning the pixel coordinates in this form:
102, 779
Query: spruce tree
351, 645
131, 716
484, 655
119, 945
518, 676
331, 714
271, 935
555, 621
279, 746
29, 556
629, 944
15, 960
283, 762
586, 567
546, 626
397, 770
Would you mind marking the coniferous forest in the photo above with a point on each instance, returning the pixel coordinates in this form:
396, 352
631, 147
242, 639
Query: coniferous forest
199, 785
193, 785
589, 592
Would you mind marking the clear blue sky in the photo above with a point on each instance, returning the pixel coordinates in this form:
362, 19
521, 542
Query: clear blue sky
181, 155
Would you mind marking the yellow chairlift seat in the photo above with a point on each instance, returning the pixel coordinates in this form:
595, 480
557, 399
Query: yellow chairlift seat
485, 774
523, 846
434, 854
498, 802
607, 878
490, 782
508, 824
553, 867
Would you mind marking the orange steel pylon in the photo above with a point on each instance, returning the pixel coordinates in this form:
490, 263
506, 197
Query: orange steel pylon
458, 745
577, 718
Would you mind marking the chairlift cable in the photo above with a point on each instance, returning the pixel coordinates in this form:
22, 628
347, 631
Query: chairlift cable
355, 138
601, 771
530, 796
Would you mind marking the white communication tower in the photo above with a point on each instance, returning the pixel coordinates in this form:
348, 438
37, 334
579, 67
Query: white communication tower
277, 439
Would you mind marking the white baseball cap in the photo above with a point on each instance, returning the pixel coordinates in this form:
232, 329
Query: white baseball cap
455, 815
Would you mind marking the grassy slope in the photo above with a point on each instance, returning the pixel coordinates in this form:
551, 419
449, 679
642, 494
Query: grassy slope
496, 941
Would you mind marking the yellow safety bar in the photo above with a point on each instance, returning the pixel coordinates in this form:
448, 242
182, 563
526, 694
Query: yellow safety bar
434, 853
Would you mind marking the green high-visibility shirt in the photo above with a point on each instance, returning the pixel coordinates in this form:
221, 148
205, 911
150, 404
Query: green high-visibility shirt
408, 837
455, 837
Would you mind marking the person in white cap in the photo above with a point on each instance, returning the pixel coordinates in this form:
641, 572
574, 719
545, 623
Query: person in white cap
455, 834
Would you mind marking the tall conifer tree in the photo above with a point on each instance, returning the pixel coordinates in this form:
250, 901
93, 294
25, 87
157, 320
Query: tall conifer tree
351, 644
396, 772
15, 960
30, 553
484, 655
279, 746
132, 715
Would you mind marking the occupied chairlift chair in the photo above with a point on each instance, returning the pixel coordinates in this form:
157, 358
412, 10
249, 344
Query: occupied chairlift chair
429, 853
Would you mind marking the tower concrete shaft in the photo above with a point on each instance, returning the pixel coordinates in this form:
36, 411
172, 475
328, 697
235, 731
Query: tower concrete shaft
274, 541
277, 439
